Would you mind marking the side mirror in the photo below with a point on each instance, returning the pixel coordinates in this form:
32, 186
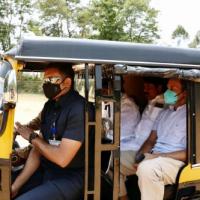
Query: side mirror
8, 92
10, 89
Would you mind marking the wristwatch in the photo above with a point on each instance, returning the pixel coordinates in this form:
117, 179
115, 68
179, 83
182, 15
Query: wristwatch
32, 136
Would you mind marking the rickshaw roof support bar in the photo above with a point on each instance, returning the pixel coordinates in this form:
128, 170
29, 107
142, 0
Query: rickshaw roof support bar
187, 74
98, 108
86, 135
195, 101
116, 152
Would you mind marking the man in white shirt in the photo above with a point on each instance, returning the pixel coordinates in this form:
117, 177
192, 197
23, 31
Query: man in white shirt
153, 87
130, 116
165, 148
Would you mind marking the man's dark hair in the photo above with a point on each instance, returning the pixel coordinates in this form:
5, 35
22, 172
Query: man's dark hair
184, 84
65, 68
157, 81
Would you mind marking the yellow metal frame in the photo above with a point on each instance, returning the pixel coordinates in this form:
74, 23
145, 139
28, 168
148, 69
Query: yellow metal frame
189, 174
6, 140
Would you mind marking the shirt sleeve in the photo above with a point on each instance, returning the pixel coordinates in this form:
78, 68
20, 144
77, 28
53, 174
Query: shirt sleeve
75, 123
130, 117
156, 122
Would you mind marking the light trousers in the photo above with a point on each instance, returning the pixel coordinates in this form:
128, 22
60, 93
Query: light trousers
127, 159
154, 174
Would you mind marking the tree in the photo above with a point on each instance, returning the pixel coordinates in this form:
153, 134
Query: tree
124, 20
14, 15
140, 21
23, 10
196, 41
84, 25
6, 27
180, 34
57, 17
105, 19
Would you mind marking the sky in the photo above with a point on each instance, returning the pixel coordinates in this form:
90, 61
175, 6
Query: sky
177, 12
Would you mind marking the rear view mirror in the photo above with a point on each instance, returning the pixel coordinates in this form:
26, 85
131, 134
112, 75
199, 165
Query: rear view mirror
10, 88
8, 92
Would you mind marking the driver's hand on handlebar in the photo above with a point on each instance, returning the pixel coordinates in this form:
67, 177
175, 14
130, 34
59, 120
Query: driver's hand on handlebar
23, 130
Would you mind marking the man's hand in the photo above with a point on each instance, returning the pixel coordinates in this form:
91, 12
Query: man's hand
14, 191
149, 156
24, 131
158, 100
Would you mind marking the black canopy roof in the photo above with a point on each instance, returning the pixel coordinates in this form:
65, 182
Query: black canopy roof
41, 49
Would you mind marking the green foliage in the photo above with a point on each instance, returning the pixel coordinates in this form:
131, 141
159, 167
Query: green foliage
34, 27
6, 27
57, 17
106, 19
29, 83
124, 20
140, 21
14, 15
196, 41
180, 32
6, 30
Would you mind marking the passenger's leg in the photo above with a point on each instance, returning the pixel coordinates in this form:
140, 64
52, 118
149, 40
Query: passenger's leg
58, 189
127, 159
154, 174
35, 180
45, 191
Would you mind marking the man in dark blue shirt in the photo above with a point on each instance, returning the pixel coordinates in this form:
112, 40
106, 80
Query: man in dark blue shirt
60, 148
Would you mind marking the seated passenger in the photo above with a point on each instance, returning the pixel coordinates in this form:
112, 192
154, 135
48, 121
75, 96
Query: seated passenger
130, 116
153, 87
165, 149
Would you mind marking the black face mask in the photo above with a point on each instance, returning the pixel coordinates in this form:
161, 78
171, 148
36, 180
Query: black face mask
51, 90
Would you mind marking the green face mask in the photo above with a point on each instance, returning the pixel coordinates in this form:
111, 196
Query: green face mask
170, 97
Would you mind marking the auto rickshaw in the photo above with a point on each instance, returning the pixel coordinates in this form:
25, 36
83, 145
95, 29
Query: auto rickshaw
99, 59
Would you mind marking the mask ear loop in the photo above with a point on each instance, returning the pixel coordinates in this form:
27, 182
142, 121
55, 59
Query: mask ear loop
179, 93
63, 81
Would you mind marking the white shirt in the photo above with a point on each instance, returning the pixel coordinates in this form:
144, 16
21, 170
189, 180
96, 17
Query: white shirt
171, 130
143, 129
130, 117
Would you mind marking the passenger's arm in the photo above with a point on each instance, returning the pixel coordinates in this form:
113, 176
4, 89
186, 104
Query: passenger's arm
149, 143
30, 167
62, 154
177, 155
146, 147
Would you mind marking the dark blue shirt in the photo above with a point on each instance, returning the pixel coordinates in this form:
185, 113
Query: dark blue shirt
66, 119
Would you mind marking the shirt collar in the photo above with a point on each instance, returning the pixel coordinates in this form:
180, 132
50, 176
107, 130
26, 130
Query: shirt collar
171, 107
64, 98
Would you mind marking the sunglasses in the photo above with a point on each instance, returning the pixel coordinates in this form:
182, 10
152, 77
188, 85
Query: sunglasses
53, 79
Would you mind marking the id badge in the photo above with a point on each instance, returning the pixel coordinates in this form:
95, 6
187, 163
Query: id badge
54, 142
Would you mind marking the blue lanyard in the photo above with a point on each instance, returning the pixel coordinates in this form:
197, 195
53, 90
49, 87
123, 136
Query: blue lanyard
53, 130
